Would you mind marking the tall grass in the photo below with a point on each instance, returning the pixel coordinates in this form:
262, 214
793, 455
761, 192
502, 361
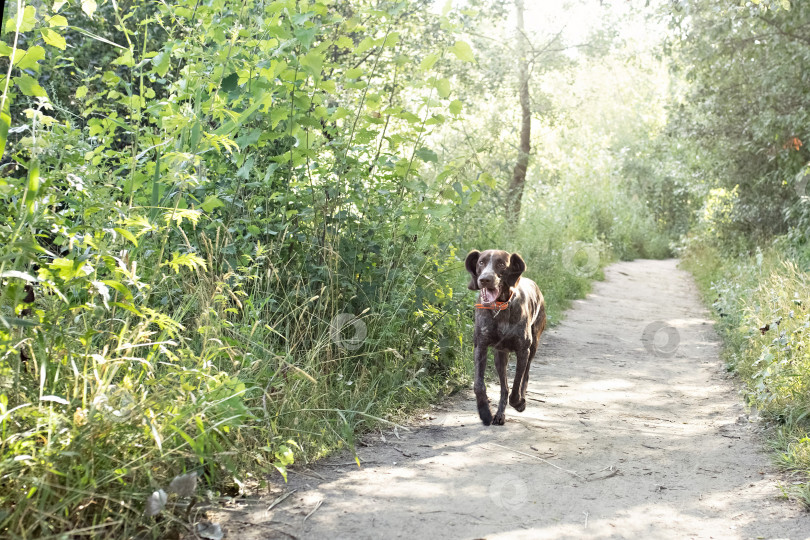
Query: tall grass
576, 227
243, 372
761, 304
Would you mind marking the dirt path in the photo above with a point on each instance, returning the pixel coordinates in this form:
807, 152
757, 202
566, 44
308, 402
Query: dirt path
628, 434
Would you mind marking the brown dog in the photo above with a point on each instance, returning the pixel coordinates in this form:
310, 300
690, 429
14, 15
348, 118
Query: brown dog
510, 316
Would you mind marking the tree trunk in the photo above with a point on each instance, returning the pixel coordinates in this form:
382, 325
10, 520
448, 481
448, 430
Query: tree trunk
516, 186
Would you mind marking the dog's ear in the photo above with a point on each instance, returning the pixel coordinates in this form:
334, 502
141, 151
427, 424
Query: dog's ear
516, 267
472, 266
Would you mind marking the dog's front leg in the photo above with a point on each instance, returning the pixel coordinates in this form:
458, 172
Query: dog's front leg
479, 387
501, 360
518, 397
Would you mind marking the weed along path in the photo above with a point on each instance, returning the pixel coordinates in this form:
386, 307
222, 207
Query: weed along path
633, 429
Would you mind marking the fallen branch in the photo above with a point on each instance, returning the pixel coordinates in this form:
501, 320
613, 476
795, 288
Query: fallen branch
573, 473
350, 463
317, 505
610, 475
280, 499
403, 452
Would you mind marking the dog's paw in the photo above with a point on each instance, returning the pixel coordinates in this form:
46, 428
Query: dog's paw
499, 419
486, 416
518, 404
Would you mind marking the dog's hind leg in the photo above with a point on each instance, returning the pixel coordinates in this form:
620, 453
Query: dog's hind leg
532, 352
517, 397
479, 387
537, 331
501, 360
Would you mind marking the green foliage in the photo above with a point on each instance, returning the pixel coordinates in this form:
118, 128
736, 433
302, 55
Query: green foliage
231, 238
762, 314
233, 178
743, 104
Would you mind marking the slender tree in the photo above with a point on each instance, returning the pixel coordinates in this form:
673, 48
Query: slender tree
516, 186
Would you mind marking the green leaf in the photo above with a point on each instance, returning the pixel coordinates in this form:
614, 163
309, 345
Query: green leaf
211, 202
248, 139
128, 307
14, 321
345, 42
244, 170
313, 61
29, 86
281, 470
354, 73
89, 7
265, 100
57, 20
81, 92
188, 260
5, 123
443, 87
426, 154
306, 36
177, 216
455, 107
448, 6
364, 45
428, 62
463, 51
162, 62
28, 59
69, 269
487, 179
125, 59
128, 235
230, 83
285, 455
392, 40
27, 19
328, 86
33, 184
53, 39
439, 211
118, 287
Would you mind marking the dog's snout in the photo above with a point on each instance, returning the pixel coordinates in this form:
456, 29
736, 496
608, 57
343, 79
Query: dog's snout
486, 280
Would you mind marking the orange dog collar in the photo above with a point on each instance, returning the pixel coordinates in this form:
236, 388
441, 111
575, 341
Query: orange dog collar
497, 306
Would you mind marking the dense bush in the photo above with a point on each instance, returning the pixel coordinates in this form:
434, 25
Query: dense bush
228, 242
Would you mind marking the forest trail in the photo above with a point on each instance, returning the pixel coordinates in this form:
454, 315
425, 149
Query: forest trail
626, 435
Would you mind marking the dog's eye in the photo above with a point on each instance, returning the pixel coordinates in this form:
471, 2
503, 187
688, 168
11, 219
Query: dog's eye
501, 264
480, 263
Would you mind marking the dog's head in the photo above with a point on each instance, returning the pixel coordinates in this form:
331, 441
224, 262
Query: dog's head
494, 272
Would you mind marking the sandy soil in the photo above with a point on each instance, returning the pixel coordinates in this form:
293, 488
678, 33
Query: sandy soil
633, 430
